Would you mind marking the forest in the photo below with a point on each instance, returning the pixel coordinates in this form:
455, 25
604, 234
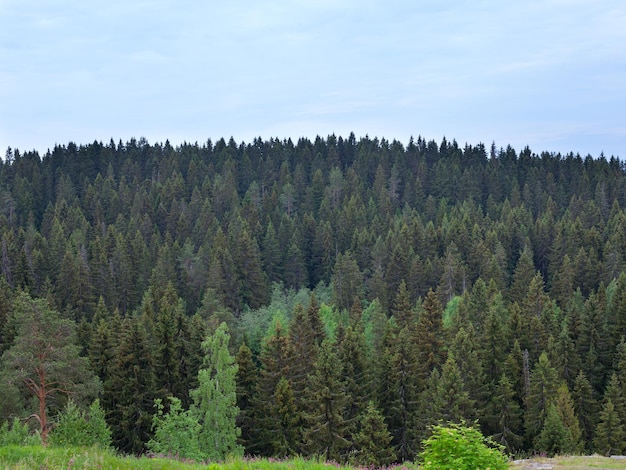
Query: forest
357, 292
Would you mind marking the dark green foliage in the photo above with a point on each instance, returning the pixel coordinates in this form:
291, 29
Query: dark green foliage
554, 438
247, 376
609, 438
430, 335
504, 417
542, 390
530, 248
585, 407
43, 364
327, 434
130, 391
372, 442
275, 361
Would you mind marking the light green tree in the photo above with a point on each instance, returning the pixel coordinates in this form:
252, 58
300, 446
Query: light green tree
215, 399
176, 432
76, 427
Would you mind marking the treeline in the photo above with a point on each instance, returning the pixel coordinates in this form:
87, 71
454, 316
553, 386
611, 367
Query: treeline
360, 279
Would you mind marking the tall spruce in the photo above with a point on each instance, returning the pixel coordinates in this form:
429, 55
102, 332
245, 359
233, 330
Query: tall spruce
130, 391
327, 434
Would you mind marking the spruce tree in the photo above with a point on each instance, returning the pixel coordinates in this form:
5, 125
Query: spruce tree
275, 361
565, 408
585, 407
609, 437
246, 379
327, 433
543, 387
430, 335
130, 391
352, 361
504, 417
555, 437
372, 442
287, 436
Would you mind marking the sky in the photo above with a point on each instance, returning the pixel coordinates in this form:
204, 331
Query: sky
547, 74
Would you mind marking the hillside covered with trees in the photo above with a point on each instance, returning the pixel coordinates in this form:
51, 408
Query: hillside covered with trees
370, 290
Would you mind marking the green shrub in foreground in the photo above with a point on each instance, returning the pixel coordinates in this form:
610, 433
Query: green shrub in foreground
457, 446
17, 434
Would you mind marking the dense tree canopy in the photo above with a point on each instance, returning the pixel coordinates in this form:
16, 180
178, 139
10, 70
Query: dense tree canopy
381, 273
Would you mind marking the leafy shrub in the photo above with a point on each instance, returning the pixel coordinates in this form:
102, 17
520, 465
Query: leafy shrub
176, 432
17, 434
76, 428
458, 447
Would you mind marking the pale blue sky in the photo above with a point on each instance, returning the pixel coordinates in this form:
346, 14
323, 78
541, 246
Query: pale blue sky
550, 74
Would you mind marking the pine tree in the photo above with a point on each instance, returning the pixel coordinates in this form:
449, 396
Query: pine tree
215, 399
168, 308
615, 393
491, 336
399, 387
457, 404
402, 311
523, 274
304, 349
43, 362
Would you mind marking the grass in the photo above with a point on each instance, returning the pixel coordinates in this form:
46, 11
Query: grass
37, 457
575, 463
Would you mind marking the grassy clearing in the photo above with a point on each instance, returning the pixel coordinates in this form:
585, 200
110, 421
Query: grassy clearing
573, 463
37, 457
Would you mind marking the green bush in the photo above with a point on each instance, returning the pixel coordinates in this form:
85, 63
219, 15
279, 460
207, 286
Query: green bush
17, 434
457, 446
77, 428
176, 432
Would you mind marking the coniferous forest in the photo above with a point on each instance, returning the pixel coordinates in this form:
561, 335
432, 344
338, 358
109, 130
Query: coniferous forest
352, 292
